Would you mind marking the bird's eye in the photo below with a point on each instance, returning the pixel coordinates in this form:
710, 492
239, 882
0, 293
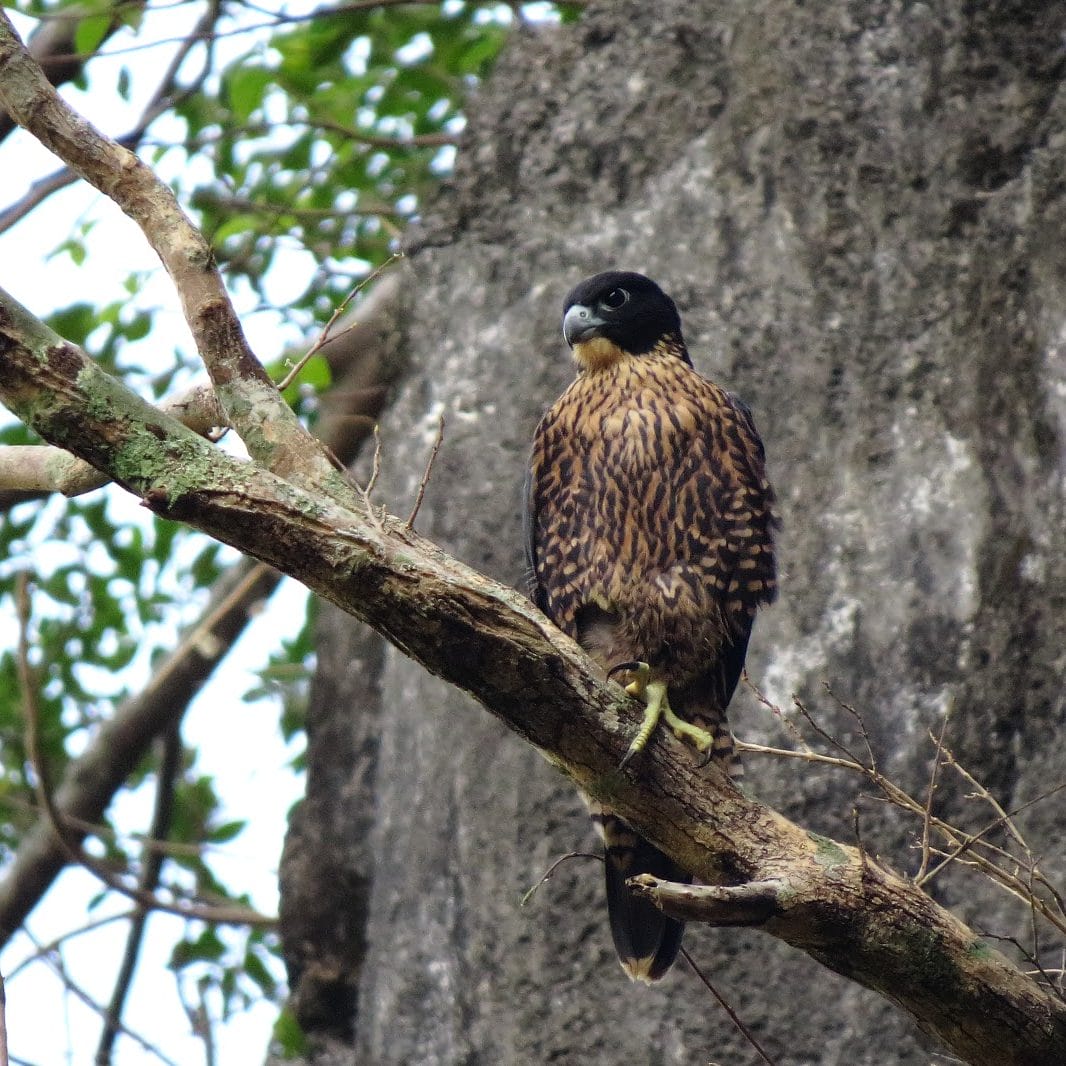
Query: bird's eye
615, 299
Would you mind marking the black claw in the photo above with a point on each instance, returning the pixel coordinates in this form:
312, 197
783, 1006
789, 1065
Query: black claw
619, 667
707, 759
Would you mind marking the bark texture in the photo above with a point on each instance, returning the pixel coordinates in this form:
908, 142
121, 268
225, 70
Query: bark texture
860, 212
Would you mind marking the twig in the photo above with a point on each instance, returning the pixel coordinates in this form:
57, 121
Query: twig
3, 1022
425, 475
828, 737
152, 867
230, 915
55, 961
338, 311
958, 842
54, 945
1000, 820
555, 866
722, 1002
1032, 960
375, 471
983, 793
775, 711
927, 816
858, 721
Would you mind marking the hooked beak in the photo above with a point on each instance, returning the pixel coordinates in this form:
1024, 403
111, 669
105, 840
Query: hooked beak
580, 323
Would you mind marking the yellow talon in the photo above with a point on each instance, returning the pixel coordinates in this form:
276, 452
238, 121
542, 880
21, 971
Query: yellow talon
701, 738
657, 707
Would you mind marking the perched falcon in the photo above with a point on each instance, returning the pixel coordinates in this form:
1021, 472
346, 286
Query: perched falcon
649, 532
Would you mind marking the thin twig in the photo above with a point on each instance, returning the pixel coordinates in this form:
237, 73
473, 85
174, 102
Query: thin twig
858, 720
555, 866
1032, 960
779, 714
927, 816
425, 475
55, 961
3, 1022
54, 945
151, 869
733, 1017
828, 737
959, 843
325, 335
1000, 820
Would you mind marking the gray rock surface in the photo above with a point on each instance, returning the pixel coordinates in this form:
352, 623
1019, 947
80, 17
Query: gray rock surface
859, 208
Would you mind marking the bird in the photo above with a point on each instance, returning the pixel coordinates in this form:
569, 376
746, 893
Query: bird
649, 531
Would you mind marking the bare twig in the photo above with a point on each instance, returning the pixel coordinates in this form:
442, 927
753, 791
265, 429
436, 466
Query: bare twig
425, 474
996, 823
724, 1004
992, 860
926, 818
54, 960
551, 870
151, 868
3, 1022
367, 491
54, 945
327, 330
847, 707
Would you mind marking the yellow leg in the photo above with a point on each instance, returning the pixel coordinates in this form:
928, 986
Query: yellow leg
699, 737
657, 705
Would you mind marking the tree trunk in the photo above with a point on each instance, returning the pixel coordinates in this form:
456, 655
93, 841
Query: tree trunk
859, 209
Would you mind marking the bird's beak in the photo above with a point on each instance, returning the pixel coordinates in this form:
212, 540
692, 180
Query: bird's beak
580, 323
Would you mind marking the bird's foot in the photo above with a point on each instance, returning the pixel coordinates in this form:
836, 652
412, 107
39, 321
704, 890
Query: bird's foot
653, 693
701, 738
657, 707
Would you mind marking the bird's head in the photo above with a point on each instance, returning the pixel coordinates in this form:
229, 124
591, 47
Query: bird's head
617, 314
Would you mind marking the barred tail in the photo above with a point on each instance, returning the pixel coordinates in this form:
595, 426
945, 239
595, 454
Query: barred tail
646, 940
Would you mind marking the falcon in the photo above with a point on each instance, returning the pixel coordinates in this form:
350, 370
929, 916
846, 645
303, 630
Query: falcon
650, 540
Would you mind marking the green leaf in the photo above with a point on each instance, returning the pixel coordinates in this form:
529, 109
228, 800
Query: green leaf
90, 33
289, 1038
246, 87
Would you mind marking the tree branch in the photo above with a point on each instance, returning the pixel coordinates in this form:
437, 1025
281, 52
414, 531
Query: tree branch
362, 355
269, 428
850, 913
28, 471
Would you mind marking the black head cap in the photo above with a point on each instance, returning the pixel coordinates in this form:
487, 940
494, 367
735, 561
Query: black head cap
627, 309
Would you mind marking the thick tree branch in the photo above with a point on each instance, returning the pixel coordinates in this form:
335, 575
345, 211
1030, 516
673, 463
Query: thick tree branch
849, 912
253, 407
32, 470
362, 354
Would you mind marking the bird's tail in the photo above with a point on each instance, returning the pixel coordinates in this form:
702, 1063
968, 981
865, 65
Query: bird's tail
647, 941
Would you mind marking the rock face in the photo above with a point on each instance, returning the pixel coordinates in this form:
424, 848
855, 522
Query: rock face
859, 208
